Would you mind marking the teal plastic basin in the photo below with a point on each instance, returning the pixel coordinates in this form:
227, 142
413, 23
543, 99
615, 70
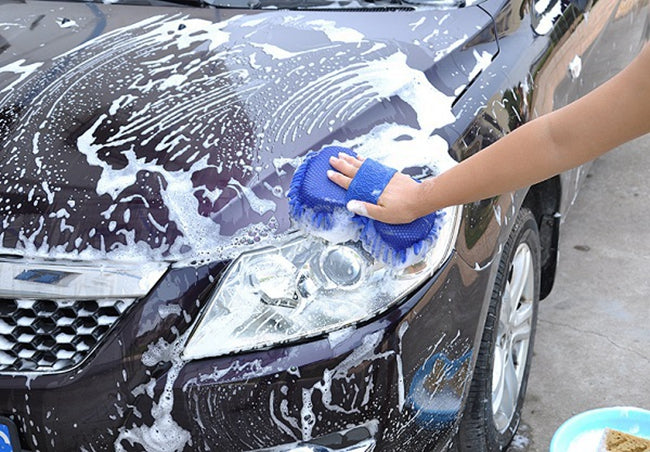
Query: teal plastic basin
582, 432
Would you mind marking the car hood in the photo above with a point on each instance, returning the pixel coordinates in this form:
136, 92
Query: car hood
165, 133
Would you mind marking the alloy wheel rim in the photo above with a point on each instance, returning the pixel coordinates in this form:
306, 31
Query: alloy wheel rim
513, 337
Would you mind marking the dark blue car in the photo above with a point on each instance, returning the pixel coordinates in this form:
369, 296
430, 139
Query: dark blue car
154, 292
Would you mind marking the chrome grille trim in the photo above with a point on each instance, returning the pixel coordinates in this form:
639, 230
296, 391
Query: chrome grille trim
65, 279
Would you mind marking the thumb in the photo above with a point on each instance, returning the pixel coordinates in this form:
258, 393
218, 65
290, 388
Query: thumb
364, 209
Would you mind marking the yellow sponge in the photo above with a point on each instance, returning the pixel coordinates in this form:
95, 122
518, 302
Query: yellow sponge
616, 441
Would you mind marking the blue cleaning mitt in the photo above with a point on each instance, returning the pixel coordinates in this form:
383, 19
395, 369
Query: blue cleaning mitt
400, 245
369, 182
316, 203
319, 206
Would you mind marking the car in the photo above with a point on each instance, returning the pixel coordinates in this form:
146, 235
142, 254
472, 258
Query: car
156, 294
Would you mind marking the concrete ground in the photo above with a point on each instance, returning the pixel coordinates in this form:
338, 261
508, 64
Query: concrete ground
592, 347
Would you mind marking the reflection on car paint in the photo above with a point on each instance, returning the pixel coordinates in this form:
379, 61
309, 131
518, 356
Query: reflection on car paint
64, 22
549, 11
437, 389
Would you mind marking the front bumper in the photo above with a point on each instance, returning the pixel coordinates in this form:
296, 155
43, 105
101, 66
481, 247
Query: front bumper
355, 439
319, 395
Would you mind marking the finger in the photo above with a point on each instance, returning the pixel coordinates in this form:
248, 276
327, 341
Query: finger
339, 179
354, 161
343, 167
365, 209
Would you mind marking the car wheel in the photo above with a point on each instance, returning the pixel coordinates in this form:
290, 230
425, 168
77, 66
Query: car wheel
493, 410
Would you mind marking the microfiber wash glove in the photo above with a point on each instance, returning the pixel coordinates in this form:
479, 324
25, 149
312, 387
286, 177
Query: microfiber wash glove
401, 245
397, 245
319, 206
316, 203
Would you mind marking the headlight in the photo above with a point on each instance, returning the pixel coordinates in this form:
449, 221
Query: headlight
304, 288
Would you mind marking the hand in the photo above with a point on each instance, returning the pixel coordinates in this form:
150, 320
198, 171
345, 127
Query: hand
399, 202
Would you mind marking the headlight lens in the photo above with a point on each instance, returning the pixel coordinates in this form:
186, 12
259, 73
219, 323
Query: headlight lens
304, 288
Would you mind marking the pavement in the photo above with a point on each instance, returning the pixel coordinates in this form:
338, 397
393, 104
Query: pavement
592, 347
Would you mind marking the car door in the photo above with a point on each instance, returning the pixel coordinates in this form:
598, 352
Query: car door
592, 41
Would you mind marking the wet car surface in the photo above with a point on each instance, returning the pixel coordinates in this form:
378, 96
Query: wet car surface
146, 151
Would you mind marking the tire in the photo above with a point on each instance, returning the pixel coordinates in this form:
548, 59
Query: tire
496, 396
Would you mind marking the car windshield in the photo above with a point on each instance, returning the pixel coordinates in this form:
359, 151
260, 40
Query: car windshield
329, 4
291, 4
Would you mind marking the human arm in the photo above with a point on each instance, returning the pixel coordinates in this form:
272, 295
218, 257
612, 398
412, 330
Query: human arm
615, 112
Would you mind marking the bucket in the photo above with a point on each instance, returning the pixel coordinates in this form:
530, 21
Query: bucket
583, 432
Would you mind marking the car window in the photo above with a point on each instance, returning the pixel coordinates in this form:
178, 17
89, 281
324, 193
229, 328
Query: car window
293, 4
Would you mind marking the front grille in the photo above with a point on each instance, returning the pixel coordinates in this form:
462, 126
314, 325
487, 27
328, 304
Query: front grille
53, 335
